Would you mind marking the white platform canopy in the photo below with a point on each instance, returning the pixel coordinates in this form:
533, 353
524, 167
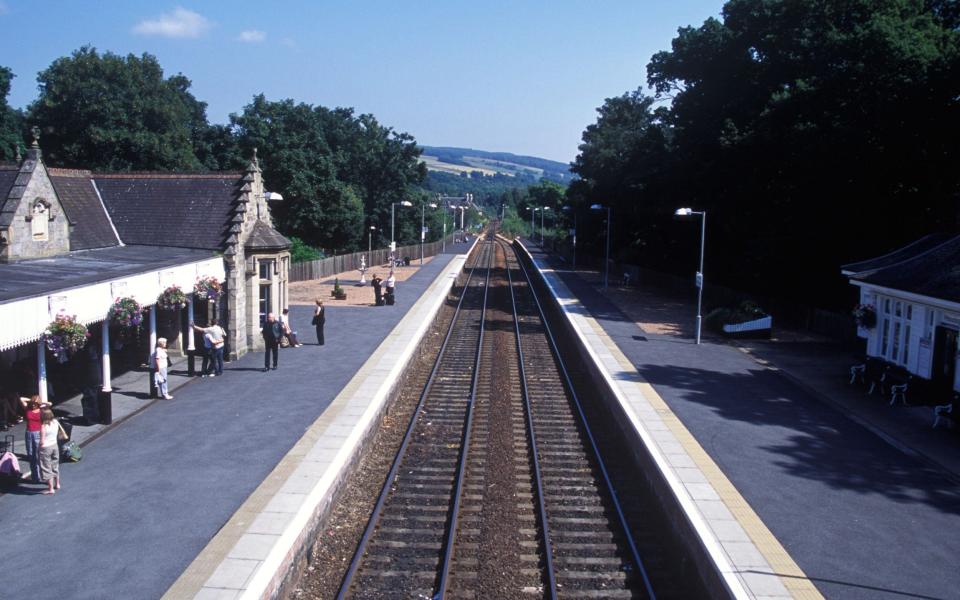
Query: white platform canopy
85, 284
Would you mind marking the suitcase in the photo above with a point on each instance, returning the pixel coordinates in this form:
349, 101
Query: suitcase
9, 465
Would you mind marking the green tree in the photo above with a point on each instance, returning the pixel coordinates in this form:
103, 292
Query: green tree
117, 113
329, 163
11, 120
814, 132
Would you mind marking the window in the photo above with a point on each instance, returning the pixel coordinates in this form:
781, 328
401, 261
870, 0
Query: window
895, 330
266, 270
906, 343
895, 352
264, 303
884, 337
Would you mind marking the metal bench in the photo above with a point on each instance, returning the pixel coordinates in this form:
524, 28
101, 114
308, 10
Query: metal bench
946, 412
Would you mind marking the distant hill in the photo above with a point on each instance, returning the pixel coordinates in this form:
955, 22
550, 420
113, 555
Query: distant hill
467, 160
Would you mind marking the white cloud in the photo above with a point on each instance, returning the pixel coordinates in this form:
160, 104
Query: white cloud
288, 42
252, 36
181, 23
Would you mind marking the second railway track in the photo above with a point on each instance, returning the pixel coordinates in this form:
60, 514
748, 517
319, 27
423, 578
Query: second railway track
498, 489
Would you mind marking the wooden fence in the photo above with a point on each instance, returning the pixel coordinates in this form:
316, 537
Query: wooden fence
334, 265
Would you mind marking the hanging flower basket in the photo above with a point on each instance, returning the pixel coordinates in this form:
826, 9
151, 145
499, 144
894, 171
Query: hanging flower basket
208, 287
865, 315
65, 335
126, 312
172, 298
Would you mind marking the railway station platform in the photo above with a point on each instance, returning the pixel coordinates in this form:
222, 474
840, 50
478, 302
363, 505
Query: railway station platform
207, 495
798, 495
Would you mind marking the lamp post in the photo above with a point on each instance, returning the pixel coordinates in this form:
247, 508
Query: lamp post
463, 213
423, 231
533, 225
686, 212
571, 209
606, 262
370, 244
393, 242
543, 212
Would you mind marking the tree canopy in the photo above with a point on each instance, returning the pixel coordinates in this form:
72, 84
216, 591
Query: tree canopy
338, 172
814, 133
117, 113
11, 121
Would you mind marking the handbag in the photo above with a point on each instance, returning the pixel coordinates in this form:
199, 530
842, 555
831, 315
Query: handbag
62, 435
72, 452
314, 320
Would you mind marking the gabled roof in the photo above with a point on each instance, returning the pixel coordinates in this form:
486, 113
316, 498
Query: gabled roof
909, 251
163, 209
264, 237
934, 273
90, 226
15, 183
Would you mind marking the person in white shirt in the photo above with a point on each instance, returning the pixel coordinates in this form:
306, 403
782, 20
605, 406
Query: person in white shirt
49, 451
160, 368
213, 339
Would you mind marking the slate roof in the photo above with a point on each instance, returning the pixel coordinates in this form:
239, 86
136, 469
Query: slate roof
909, 251
934, 273
10, 200
264, 237
90, 226
41, 276
181, 210
8, 174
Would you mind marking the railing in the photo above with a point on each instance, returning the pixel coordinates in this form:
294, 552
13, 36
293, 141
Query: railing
324, 267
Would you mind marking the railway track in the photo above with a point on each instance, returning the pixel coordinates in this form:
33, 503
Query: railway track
497, 489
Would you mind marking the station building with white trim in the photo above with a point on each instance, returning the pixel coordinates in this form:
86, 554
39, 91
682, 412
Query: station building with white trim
915, 292
72, 241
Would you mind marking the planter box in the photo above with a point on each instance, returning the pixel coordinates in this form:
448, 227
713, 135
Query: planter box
754, 328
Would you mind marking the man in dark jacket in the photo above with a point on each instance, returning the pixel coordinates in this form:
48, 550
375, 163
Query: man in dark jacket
376, 282
271, 332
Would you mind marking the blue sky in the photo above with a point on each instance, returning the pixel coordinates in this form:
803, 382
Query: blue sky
522, 77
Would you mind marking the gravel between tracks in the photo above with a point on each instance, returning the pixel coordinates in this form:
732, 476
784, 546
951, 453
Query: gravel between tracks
334, 548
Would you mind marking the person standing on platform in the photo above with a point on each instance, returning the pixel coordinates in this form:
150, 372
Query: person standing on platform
391, 288
32, 412
90, 384
160, 368
319, 318
271, 332
213, 339
377, 293
49, 451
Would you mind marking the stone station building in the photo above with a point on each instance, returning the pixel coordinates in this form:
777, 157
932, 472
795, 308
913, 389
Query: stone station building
72, 241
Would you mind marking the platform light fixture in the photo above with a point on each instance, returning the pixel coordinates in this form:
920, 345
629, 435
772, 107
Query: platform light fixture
686, 212
606, 262
423, 228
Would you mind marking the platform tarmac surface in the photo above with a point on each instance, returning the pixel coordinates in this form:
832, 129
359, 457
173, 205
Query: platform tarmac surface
152, 491
860, 517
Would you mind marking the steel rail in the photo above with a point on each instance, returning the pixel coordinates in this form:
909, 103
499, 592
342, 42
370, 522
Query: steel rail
465, 444
638, 562
541, 507
391, 476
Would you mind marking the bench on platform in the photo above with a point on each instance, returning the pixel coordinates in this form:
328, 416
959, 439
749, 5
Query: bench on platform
871, 372
949, 412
